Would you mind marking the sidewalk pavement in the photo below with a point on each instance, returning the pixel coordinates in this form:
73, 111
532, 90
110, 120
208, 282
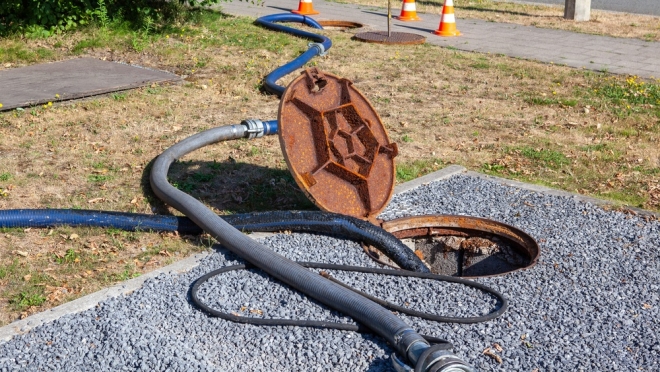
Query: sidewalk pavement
593, 52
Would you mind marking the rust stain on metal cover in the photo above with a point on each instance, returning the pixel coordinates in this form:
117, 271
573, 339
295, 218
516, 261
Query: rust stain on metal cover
336, 146
445, 225
381, 37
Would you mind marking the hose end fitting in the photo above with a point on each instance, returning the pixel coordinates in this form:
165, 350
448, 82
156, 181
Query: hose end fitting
443, 360
436, 358
320, 47
255, 128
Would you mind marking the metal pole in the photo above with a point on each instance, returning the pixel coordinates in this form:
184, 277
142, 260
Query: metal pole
389, 18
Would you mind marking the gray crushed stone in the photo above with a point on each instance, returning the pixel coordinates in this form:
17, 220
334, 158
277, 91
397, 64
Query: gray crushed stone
590, 304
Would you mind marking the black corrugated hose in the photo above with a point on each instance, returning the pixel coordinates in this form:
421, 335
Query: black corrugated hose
406, 341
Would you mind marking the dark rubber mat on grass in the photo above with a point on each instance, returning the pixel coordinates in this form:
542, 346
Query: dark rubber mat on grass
71, 79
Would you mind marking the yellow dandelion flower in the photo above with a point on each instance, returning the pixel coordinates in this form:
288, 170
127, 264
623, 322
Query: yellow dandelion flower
553, 92
0, 105
50, 103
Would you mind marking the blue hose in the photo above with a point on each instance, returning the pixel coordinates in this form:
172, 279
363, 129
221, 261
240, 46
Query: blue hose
321, 45
305, 221
47, 218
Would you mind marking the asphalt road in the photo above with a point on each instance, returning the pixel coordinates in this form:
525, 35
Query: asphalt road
650, 7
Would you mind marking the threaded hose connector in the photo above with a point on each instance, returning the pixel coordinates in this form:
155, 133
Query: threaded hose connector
255, 128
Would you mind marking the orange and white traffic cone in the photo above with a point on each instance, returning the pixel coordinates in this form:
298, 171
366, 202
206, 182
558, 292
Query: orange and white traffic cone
408, 11
305, 7
447, 21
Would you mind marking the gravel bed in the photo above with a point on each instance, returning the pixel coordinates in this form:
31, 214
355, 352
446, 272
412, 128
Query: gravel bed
590, 304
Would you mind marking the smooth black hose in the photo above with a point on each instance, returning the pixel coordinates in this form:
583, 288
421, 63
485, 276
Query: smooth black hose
380, 320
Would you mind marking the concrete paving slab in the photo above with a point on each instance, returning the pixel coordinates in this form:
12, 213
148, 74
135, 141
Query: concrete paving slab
72, 79
529, 42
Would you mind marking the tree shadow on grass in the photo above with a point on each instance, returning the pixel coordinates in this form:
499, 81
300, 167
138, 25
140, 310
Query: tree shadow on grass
230, 187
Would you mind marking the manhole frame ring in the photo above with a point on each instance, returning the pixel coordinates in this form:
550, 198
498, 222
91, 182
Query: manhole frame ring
519, 240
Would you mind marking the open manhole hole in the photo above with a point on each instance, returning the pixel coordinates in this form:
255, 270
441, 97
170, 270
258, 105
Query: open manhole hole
463, 246
339, 25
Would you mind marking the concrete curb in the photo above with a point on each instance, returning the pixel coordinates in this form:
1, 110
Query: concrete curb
550, 191
25, 325
87, 302
431, 177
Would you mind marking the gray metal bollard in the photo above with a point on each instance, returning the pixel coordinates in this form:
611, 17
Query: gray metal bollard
577, 10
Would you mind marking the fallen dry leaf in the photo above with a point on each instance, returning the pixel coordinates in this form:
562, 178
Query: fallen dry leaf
20, 253
491, 354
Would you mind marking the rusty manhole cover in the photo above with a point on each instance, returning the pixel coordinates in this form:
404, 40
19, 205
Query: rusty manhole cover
339, 25
336, 146
394, 38
463, 246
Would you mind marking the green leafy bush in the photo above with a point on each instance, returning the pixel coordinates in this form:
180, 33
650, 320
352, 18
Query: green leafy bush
42, 18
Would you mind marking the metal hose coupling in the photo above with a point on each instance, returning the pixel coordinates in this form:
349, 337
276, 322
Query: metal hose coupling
257, 128
435, 358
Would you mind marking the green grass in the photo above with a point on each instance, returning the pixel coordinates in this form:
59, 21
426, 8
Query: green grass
550, 158
480, 65
99, 178
93, 42
202, 177
25, 299
415, 169
15, 53
627, 96
627, 197
119, 96
647, 171
592, 148
22, 291
69, 257
128, 273
5, 176
493, 169
545, 101
202, 27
